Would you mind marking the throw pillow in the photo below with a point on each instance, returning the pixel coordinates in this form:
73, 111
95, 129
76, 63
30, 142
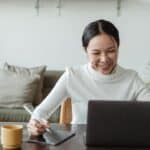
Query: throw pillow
17, 90
40, 70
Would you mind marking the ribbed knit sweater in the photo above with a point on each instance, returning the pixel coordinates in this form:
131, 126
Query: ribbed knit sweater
83, 83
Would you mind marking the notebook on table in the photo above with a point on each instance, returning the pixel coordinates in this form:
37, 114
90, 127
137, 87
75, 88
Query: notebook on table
57, 136
118, 123
52, 136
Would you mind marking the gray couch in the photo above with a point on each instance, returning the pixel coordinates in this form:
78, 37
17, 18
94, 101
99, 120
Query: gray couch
20, 115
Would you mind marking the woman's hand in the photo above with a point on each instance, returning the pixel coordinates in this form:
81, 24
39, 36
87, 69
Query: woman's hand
37, 127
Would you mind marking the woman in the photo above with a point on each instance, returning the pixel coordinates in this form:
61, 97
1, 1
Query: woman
101, 78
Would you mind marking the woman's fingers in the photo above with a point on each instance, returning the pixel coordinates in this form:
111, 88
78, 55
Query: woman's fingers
45, 123
36, 127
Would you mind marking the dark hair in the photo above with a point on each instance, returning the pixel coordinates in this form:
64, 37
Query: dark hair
98, 27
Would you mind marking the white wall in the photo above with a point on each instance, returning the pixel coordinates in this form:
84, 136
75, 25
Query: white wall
28, 40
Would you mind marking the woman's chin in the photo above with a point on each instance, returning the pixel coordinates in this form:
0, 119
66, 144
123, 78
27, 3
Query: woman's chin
105, 71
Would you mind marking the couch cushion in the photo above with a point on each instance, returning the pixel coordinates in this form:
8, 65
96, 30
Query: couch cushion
50, 79
21, 115
14, 115
17, 89
27, 72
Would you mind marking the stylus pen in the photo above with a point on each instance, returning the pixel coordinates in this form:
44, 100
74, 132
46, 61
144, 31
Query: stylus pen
29, 109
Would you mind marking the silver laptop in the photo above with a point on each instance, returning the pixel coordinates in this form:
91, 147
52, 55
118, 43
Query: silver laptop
118, 123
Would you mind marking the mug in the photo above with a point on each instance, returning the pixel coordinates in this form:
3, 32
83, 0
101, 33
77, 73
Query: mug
11, 136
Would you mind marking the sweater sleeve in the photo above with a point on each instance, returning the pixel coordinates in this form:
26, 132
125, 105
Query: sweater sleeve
142, 90
53, 100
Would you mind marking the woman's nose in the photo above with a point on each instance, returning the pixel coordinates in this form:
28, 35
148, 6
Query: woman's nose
103, 57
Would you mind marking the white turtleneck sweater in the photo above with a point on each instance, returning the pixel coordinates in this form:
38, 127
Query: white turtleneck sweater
84, 83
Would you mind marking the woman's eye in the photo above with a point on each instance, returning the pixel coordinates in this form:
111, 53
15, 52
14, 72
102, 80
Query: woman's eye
111, 51
96, 53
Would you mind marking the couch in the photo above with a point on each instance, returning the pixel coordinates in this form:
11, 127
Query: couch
64, 113
20, 114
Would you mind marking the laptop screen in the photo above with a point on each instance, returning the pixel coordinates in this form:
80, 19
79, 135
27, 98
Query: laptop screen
118, 123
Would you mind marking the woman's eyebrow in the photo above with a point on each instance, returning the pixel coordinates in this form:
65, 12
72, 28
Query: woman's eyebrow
96, 50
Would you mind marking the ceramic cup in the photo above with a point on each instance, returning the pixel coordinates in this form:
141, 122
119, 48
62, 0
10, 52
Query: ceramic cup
11, 136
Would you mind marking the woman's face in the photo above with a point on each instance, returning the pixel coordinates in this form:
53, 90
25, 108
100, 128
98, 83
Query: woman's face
102, 52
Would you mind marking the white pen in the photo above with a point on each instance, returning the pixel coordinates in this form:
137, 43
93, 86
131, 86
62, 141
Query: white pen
29, 109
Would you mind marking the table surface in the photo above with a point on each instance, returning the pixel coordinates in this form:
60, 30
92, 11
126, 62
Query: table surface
75, 143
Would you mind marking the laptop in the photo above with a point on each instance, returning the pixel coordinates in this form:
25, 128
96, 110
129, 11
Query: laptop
118, 123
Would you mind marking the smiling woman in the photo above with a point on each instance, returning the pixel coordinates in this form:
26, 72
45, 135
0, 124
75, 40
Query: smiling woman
103, 53
101, 45
101, 78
